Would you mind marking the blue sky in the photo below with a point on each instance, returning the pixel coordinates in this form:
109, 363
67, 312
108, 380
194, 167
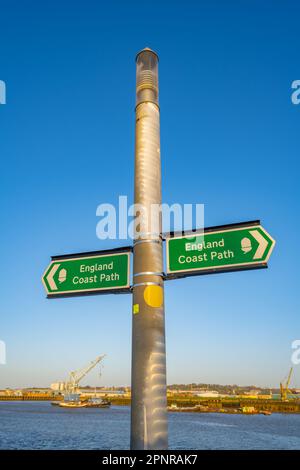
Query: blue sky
229, 140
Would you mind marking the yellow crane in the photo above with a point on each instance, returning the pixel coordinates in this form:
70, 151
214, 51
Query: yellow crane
284, 387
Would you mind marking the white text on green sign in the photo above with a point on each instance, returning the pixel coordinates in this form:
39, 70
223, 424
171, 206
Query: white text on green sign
217, 250
87, 274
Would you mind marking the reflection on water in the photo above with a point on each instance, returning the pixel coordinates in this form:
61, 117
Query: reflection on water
38, 425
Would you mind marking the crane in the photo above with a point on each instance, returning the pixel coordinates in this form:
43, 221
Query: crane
284, 387
76, 376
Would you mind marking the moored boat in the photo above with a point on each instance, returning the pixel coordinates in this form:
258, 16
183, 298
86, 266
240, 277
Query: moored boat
72, 400
98, 403
72, 404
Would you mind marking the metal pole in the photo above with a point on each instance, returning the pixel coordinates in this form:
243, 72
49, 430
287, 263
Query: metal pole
148, 386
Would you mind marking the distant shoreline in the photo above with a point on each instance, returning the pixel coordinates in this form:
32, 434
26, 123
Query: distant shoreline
189, 404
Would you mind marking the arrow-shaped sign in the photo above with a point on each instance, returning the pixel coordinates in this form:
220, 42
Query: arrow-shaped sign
223, 249
88, 273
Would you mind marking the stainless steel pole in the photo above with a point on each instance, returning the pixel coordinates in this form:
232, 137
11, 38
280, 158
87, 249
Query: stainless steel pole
148, 386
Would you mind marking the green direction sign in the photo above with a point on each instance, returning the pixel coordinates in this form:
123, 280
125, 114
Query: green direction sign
79, 275
228, 249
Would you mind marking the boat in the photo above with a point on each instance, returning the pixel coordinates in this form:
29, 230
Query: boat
72, 404
97, 403
195, 408
72, 400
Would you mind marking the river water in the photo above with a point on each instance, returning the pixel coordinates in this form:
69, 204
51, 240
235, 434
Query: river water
38, 425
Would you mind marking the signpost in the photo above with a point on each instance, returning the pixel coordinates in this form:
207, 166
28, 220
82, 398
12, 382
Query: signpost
94, 273
236, 247
149, 423
218, 249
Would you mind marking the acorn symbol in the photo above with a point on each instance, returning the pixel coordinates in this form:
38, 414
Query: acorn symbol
62, 276
246, 245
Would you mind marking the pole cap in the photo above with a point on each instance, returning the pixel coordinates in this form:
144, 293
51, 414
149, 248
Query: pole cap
146, 49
